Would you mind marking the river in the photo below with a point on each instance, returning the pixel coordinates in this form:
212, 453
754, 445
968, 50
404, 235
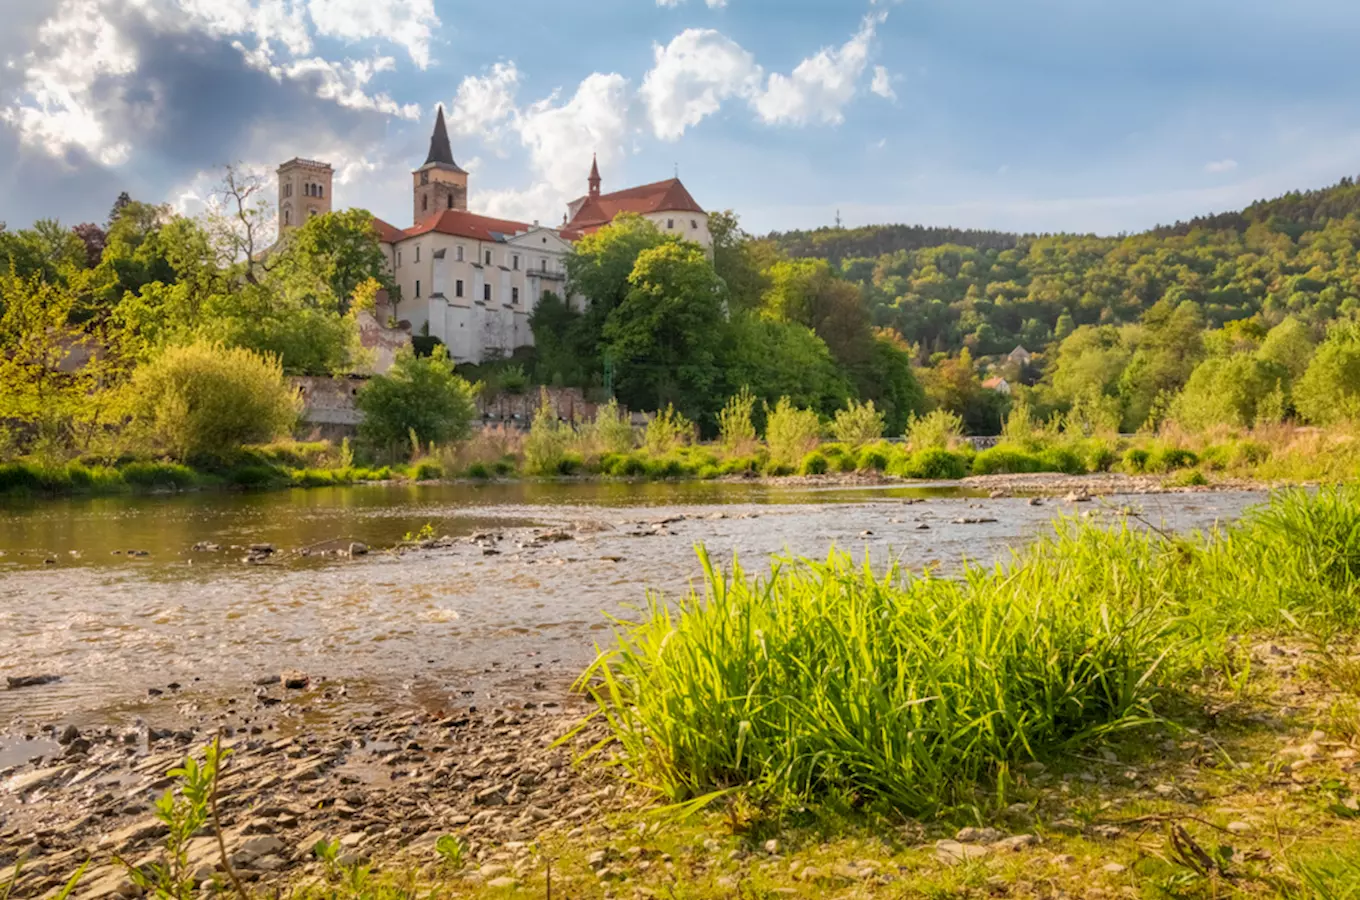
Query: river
139, 636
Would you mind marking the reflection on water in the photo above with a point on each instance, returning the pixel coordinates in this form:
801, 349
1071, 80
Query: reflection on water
454, 622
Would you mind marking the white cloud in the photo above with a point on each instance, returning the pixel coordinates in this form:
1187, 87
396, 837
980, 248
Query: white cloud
485, 102
693, 75
820, 86
80, 44
882, 84
561, 139
406, 23
1220, 167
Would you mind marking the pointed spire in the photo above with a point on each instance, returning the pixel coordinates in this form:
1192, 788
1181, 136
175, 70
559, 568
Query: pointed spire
440, 151
594, 176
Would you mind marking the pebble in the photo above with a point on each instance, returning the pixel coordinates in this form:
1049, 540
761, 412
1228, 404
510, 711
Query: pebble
1113, 868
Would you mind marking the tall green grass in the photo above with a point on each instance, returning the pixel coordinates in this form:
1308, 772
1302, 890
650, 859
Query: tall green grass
829, 680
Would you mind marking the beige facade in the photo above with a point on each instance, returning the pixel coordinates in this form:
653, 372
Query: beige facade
304, 191
477, 295
686, 225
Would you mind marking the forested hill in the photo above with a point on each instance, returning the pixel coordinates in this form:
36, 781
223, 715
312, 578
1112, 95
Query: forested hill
949, 289
835, 244
1294, 213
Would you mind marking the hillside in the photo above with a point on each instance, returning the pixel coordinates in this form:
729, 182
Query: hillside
947, 289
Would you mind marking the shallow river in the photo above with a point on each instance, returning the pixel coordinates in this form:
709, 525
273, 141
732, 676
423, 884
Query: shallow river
424, 627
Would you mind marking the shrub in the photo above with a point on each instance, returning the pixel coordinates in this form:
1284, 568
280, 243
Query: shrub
427, 471
1004, 460
419, 400
857, 424
1135, 460
813, 464
736, 426
934, 464
252, 476
1188, 478
546, 447
206, 401
1061, 459
158, 475
1168, 459
667, 431
610, 431
874, 457
940, 429
479, 471
790, 433
1098, 454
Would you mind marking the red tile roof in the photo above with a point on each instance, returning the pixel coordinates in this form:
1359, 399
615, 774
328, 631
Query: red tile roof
662, 196
456, 222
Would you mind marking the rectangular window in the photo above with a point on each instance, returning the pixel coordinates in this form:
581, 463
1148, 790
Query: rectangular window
488, 257
398, 257
670, 224
543, 265
514, 261
486, 292
417, 253
458, 288
514, 295
417, 287
458, 254
694, 224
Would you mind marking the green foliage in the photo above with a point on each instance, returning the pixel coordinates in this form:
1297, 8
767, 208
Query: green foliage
1169, 459
791, 433
207, 401
938, 429
933, 464
1006, 460
666, 431
1329, 391
545, 449
814, 463
874, 457
418, 395
857, 424
611, 431
1227, 391
736, 427
776, 358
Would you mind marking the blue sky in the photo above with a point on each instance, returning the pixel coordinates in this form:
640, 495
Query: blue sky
1046, 115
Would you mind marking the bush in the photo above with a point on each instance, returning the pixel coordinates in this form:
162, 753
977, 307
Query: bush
736, 426
1135, 460
206, 401
252, 476
940, 429
1098, 454
479, 471
1187, 478
546, 446
158, 475
813, 464
857, 424
1061, 459
874, 457
668, 430
420, 396
790, 433
1003, 460
611, 431
427, 471
1168, 459
934, 464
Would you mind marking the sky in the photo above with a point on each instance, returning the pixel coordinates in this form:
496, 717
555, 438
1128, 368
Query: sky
1025, 115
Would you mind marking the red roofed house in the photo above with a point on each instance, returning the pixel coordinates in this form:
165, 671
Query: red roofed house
470, 280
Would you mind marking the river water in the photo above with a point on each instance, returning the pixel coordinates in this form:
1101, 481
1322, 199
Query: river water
129, 633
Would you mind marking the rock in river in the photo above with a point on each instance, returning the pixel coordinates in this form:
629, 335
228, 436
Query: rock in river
294, 679
15, 682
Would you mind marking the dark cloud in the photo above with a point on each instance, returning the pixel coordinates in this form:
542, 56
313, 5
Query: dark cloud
192, 104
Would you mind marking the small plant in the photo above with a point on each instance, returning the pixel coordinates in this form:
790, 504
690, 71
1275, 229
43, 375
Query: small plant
940, 429
857, 424
346, 455
610, 431
736, 425
668, 430
791, 433
426, 533
452, 852
545, 449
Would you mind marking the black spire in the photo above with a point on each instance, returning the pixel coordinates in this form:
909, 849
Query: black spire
440, 151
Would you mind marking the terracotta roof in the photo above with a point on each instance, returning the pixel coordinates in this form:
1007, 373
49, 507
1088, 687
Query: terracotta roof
388, 234
993, 383
662, 196
461, 223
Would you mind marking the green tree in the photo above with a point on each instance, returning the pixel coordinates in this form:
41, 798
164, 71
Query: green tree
333, 253
1289, 345
418, 395
204, 401
1329, 391
777, 359
1226, 391
665, 335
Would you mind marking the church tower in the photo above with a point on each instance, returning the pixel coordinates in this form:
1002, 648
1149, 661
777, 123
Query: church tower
439, 184
304, 191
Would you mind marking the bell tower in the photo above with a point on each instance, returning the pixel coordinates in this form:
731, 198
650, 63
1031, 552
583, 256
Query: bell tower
440, 184
304, 191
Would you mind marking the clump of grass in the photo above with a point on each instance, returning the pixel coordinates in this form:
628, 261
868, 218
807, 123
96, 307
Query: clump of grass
827, 679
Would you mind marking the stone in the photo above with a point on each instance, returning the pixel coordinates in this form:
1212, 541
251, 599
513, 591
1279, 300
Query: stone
68, 734
261, 845
1015, 843
1239, 827
1108, 832
14, 682
978, 836
502, 883
294, 679
358, 549
492, 870
772, 846
1113, 868
953, 852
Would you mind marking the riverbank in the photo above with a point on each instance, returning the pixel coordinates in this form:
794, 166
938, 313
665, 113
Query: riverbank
1243, 777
